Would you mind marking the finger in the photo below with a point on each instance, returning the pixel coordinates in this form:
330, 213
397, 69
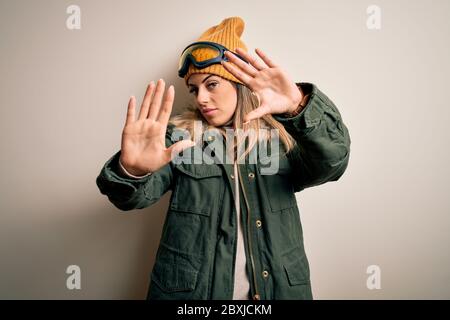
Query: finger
257, 113
156, 102
259, 65
146, 101
237, 72
166, 108
249, 69
174, 150
131, 111
266, 59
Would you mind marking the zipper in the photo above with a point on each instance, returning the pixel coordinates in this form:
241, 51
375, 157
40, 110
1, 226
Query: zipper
236, 233
256, 296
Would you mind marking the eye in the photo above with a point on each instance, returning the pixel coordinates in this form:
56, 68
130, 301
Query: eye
193, 90
212, 84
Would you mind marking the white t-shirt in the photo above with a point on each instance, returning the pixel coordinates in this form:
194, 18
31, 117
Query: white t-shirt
241, 282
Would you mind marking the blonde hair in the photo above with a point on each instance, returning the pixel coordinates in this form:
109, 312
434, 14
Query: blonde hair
246, 102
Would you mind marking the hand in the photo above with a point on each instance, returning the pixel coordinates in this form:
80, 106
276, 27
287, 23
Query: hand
143, 140
275, 91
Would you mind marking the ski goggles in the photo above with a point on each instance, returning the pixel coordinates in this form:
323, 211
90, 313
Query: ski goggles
215, 54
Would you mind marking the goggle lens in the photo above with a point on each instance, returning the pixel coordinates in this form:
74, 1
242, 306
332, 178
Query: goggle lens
206, 53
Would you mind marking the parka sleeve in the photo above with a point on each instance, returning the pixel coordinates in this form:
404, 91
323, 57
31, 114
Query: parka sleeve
128, 193
322, 150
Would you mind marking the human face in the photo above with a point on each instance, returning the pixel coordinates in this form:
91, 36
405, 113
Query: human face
216, 97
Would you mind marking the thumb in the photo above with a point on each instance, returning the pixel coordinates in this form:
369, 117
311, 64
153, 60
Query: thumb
176, 148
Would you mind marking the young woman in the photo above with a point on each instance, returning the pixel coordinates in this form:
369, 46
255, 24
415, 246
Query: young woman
232, 231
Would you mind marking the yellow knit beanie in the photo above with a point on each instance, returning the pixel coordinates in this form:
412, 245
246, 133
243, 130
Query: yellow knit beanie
227, 33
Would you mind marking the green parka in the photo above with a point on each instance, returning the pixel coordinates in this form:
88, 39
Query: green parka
196, 255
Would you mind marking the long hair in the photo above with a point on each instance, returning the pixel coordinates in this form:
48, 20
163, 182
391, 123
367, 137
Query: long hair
246, 102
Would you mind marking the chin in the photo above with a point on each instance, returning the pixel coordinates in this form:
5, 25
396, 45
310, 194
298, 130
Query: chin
219, 120
214, 122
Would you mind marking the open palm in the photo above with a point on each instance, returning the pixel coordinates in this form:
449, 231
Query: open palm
273, 87
143, 139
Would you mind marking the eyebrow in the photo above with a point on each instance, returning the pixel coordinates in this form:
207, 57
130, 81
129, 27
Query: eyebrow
193, 85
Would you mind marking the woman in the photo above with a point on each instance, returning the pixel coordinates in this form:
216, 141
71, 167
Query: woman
231, 231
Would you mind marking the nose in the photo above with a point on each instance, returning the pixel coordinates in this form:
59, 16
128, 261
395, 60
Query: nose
202, 97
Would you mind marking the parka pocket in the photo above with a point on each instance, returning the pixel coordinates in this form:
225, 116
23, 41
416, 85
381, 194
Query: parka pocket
174, 272
296, 266
197, 188
279, 187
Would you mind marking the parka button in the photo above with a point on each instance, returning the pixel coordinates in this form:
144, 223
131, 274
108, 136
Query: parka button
251, 175
265, 274
232, 176
258, 223
210, 138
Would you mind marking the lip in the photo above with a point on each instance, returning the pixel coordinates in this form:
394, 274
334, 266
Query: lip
208, 111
